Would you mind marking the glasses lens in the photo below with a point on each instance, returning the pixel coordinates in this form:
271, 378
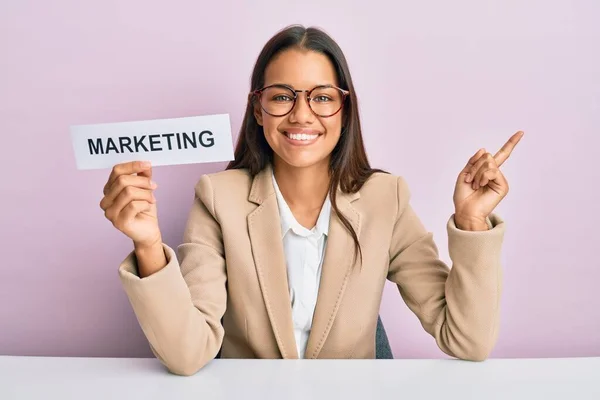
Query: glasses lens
277, 100
326, 101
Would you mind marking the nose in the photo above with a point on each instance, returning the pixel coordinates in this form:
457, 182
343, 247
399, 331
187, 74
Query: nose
301, 113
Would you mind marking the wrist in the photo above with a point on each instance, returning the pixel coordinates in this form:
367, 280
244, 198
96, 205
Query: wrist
150, 257
148, 245
470, 223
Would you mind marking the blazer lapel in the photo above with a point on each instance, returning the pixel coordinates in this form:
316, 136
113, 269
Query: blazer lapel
269, 258
337, 266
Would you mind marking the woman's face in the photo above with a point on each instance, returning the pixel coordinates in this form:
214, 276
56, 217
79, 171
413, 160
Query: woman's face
300, 138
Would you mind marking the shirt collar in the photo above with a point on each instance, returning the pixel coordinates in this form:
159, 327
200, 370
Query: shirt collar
288, 221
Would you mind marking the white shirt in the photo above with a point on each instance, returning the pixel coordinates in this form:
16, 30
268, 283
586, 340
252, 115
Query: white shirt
303, 250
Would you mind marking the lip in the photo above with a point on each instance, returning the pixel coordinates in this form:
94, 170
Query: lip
301, 131
306, 131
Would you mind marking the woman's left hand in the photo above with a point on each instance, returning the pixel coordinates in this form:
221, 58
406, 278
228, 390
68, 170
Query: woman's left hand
481, 186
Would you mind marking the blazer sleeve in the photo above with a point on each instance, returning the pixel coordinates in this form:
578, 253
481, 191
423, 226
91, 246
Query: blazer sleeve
459, 307
180, 307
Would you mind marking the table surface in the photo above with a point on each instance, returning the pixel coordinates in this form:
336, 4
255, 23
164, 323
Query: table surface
146, 378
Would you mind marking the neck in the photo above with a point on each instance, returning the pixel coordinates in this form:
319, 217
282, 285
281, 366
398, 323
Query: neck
304, 189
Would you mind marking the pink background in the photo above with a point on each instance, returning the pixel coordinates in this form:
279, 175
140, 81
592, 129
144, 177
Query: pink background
436, 81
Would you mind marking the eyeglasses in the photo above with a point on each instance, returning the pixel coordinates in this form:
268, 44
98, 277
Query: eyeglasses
279, 100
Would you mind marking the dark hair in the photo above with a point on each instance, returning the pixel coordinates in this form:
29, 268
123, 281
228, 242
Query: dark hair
349, 166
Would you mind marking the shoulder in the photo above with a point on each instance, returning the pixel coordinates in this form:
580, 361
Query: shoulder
232, 183
385, 191
383, 184
227, 179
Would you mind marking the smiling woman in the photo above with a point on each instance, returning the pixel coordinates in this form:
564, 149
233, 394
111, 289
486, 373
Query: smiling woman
286, 252
301, 82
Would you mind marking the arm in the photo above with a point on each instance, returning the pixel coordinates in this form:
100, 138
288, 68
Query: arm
179, 307
458, 306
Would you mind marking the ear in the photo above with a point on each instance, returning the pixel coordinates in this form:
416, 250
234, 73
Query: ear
257, 112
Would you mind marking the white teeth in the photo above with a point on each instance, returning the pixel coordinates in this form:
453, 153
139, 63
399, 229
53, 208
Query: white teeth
301, 136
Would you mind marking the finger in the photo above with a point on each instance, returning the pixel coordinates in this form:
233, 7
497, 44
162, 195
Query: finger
500, 182
472, 162
121, 183
483, 160
128, 214
127, 195
503, 154
147, 173
474, 159
127, 168
487, 165
487, 176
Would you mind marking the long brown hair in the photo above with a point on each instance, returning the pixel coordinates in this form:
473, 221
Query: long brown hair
349, 166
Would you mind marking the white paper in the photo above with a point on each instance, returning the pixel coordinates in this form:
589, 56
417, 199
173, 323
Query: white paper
201, 139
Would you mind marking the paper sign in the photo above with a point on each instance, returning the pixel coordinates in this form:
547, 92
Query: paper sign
188, 140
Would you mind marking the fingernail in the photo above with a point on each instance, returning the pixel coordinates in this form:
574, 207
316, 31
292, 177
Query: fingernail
468, 178
153, 184
146, 164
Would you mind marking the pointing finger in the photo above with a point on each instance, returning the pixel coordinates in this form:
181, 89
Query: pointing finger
503, 154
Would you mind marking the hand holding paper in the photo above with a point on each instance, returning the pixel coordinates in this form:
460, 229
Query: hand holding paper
131, 149
129, 202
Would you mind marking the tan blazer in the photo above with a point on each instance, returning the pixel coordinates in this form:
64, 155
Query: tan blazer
227, 287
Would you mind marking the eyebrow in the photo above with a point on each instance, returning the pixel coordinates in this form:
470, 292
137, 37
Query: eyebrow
292, 86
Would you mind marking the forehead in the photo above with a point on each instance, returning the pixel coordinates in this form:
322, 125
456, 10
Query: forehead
302, 69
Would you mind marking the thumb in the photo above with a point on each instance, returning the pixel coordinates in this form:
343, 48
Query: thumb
147, 173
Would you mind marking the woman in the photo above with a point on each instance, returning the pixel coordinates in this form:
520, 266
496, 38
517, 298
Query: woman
285, 254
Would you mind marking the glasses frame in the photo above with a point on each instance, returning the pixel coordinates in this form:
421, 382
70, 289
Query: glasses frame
258, 93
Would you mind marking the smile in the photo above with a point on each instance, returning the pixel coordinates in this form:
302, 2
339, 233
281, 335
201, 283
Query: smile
301, 136
301, 139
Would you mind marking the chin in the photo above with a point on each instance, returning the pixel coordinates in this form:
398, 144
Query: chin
300, 156
304, 162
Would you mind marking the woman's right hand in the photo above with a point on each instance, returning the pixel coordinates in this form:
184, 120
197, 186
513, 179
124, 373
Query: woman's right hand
129, 202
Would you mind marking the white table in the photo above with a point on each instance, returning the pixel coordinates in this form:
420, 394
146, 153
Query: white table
127, 378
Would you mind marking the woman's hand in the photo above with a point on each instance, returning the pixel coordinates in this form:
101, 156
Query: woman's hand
481, 186
129, 202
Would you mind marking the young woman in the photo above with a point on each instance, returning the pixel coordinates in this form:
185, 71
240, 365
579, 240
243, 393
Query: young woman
285, 254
